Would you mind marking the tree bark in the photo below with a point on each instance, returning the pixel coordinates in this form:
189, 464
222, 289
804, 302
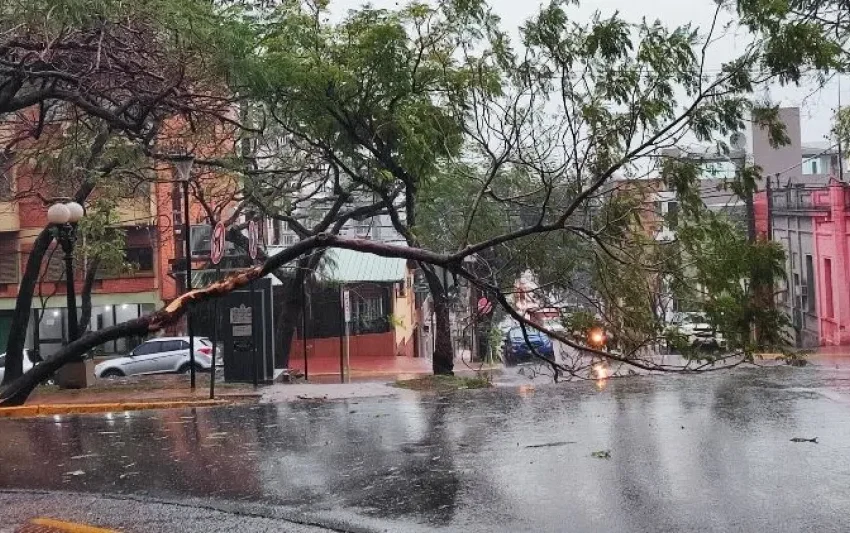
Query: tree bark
442, 361
287, 320
23, 308
85, 297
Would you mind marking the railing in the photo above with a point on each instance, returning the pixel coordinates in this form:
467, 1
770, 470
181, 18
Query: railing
799, 199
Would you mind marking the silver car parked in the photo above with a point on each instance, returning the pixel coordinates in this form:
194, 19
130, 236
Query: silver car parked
159, 356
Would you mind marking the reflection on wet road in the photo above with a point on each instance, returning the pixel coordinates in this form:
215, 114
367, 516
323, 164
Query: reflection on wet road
687, 453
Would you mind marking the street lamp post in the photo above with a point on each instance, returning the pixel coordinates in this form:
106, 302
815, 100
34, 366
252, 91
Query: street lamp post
64, 218
183, 166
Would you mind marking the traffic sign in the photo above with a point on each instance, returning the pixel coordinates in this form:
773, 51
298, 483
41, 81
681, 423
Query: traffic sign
217, 244
484, 306
346, 305
253, 239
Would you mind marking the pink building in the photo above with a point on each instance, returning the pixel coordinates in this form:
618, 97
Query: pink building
832, 279
812, 225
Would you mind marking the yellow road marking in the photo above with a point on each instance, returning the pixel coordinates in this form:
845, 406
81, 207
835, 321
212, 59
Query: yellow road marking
49, 525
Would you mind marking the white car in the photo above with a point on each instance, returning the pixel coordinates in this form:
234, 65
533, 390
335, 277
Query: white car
159, 356
27, 363
697, 329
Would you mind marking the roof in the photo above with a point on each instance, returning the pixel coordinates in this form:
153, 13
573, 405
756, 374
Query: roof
818, 148
349, 266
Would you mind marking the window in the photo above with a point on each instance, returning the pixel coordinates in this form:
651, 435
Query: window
369, 309
368, 312
2, 361
148, 348
289, 240
172, 346
811, 166
9, 259
141, 257
672, 215
810, 282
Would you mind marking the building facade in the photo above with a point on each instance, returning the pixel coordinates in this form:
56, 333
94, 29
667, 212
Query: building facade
149, 214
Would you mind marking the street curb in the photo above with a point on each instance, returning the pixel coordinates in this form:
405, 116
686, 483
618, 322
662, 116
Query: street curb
26, 411
50, 525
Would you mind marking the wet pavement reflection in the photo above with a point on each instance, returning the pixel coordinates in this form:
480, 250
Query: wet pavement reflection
687, 453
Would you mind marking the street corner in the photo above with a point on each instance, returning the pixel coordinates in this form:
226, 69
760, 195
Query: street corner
32, 411
49, 525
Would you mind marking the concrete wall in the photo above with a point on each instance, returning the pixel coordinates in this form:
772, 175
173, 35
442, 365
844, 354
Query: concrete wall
794, 232
374, 351
785, 159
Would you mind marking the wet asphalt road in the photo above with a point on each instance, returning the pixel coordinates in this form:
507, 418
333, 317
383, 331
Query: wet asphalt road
687, 453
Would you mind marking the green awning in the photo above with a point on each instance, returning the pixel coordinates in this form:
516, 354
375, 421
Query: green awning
348, 266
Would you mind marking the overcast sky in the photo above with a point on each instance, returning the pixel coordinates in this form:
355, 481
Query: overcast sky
816, 106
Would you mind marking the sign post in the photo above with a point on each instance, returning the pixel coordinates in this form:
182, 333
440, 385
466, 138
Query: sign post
253, 240
346, 363
217, 244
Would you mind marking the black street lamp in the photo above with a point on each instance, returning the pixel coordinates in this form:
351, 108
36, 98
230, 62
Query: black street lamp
183, 166
64, 218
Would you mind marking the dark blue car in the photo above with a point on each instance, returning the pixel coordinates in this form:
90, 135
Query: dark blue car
517, 350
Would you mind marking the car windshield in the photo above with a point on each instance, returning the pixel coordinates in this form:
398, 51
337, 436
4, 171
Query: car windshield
517, 336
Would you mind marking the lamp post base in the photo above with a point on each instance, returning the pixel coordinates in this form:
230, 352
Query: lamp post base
76, 375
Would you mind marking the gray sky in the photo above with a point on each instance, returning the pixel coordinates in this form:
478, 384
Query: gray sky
816, 106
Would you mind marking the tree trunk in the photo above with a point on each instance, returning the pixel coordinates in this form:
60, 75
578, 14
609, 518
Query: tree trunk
85, 297
443, 358
23, 308
287, 321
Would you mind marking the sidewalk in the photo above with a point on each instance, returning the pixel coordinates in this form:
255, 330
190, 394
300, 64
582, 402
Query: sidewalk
144, 388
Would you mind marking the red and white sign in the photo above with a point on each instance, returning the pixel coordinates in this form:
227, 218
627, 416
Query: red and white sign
217, 243
253, 239
484, 306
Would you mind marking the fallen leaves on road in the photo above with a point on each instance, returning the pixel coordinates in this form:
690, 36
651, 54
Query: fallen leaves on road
803, 439
601, 454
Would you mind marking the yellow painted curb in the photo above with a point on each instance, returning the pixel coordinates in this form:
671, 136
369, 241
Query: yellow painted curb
50, 525
84, 408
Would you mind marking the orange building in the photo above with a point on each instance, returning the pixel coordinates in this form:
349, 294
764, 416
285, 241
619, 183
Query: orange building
150, 215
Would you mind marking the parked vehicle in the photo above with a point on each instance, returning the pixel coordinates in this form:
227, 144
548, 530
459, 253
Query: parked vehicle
159, 356
516, 349
698, 330
28, 364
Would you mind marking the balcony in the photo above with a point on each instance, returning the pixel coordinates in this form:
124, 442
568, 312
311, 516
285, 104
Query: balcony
800, 199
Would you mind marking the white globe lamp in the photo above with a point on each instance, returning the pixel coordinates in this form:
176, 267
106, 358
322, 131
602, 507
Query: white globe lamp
76, 212
58, 214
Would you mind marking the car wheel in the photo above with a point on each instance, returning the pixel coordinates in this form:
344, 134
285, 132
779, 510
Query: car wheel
187, 367
112, 373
